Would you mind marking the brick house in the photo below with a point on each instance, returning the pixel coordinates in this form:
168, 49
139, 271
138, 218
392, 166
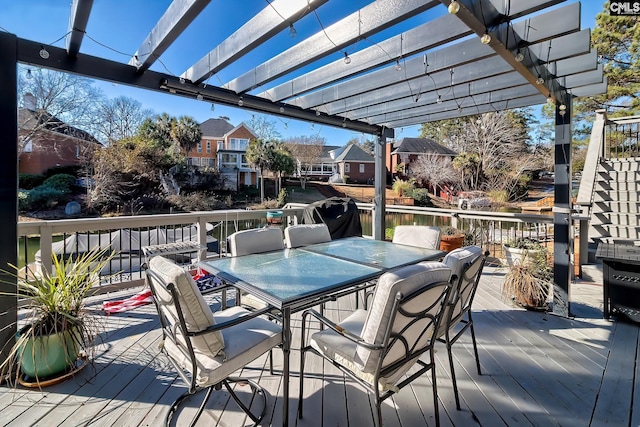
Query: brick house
353, 162
224, 148
400, 154
47, 142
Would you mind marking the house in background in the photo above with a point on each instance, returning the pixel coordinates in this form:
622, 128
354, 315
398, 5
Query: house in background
353, 164
400, 154
224, 147
47, 142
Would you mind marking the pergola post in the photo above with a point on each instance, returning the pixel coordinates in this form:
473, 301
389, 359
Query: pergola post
8, 189
562, 247
380, 182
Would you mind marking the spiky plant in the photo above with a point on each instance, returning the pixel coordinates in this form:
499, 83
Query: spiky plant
56, 305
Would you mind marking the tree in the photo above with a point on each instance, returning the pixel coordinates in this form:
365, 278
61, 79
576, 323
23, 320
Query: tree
55, 101
435, 170
264, 127
306, 151
617, 39
283, 164
186, 133
119, 118
260, 154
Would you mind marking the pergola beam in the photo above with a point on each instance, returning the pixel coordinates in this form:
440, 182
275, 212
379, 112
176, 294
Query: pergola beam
482, 21
80, 11
173, 22
371, 19
277, 16
427, 36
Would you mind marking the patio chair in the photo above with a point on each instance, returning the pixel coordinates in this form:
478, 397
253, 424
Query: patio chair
466, 268
255, 241
205, 347
306, 234
417, 235
376, 347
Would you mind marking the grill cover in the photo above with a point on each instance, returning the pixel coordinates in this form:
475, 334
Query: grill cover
341, 216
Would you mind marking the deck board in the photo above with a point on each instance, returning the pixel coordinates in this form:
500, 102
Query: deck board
537, 369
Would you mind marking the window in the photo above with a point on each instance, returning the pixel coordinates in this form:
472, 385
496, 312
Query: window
245, 162
347, 169
361, 167
228, 160
211, 162
238, 144
199, 147
77, 151
208, 146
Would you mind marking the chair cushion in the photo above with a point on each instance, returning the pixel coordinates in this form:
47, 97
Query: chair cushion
417, 235
197, 314
244, 343
371, 325
256, 240
458, 258
463, 287
306, 234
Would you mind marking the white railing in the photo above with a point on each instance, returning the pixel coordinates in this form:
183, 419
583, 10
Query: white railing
210, 227
487, 229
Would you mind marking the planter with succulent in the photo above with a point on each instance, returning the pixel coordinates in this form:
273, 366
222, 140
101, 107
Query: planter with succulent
451, 238
58, 333
524, 248
529, 278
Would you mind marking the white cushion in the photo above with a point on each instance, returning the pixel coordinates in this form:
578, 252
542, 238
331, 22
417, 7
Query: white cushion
243, 343
255, 241
371, 325
458, 258
463, 287
197, 314
417, 235
306, 234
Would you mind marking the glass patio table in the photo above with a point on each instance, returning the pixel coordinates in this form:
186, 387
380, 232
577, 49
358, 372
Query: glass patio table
294, 279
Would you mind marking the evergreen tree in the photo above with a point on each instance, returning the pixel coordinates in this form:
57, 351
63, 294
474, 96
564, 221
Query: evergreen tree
617, 39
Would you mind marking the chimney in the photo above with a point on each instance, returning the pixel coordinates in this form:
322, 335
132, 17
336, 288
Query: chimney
29, 101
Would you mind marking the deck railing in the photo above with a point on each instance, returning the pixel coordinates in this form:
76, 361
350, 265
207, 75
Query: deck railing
487, 229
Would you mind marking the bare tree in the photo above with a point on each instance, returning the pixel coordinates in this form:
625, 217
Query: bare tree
119, 118
54, 101
264, 127
306, 150
435, 170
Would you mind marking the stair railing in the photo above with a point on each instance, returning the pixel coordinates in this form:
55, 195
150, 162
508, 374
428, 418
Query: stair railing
584, 200
623, 138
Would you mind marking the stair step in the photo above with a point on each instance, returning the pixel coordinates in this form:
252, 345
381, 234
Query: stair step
630, 186
615, 231
615, 218
620, 165
613, 175
620, 207
612, 195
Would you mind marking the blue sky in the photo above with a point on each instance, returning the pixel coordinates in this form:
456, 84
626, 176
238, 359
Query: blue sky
122, 25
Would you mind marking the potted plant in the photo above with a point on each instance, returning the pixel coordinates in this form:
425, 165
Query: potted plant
451, 238
524, 248
528, 281
58, 328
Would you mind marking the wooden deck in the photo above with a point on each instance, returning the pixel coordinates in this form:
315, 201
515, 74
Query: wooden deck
538, 369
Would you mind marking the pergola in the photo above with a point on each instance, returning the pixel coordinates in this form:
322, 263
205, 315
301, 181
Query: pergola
462, 58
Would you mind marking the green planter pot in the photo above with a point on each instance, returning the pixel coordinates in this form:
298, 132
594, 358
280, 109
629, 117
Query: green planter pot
50, 355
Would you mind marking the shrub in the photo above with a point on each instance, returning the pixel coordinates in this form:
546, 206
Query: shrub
282, 197
403, 187
196, 202
62, 182
73, 170
44, 197
23, 200
421, 197
27, 181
